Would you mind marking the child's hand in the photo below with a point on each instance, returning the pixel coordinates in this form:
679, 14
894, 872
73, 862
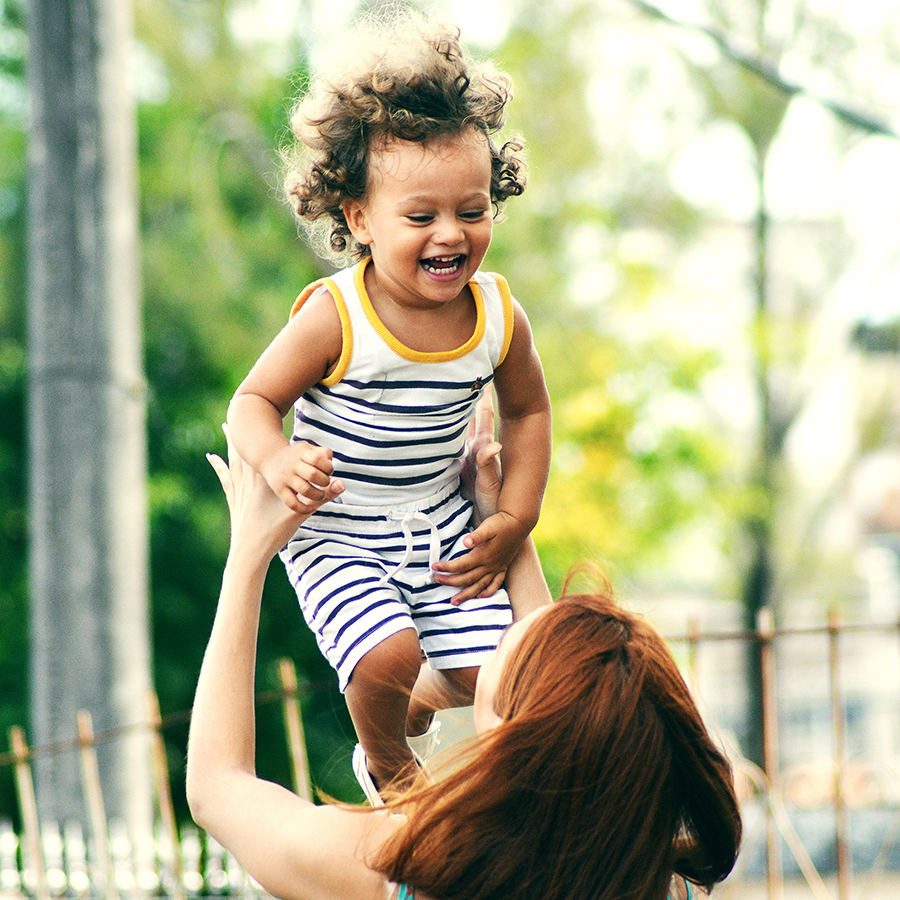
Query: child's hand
260, 522
300, 474
481, 571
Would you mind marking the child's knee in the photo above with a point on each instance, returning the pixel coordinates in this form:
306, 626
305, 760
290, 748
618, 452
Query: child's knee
392, 664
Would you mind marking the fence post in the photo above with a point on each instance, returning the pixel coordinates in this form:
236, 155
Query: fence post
765, 625
164, 794
28, 806
693, 642
837, 717
294, 726
93, 796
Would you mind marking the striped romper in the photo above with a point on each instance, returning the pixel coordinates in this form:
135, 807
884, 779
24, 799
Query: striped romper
396, 421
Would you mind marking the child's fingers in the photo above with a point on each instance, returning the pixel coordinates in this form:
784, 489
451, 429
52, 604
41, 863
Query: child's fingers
335, 489
481, 535
318, 458
494, 585
486, 586
307, 498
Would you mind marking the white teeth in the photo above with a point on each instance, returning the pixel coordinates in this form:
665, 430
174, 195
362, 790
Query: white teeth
442, 270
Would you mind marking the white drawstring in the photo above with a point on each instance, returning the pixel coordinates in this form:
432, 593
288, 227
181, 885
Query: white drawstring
434, 551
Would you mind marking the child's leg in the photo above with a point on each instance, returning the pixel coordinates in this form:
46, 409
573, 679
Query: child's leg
437, 689
378, 696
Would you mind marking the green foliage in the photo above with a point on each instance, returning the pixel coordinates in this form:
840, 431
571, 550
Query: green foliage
13, 515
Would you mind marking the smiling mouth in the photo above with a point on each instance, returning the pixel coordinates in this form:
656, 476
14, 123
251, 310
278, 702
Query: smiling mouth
443, 265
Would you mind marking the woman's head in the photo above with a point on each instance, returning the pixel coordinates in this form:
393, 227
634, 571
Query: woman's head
395, 78
598, 778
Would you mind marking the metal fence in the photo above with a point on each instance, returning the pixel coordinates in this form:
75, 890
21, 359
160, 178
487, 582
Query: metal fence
826, 826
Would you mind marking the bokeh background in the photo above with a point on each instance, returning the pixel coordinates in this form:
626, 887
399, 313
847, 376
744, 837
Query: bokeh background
707, 251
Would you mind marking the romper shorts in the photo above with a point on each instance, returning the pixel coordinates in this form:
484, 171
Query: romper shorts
362, 573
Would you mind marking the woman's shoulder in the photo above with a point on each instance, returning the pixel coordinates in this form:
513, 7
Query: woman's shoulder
681, 889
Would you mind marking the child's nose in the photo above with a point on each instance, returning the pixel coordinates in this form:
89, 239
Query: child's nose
450, 231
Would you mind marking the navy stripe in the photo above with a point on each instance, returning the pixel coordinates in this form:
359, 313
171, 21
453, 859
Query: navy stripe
462, 651
421, 478
337, 513
343, 541
453, 435
406, 461
361, 615
424, 384
421, 611
363, 637
471, 629
430, 409
331, 595
378, 425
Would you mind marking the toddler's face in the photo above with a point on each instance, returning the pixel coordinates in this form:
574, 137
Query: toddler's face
427, 217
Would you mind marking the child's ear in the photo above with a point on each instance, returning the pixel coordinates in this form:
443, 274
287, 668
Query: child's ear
357, 222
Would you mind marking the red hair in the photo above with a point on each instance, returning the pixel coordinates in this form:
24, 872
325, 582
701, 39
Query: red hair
601, 781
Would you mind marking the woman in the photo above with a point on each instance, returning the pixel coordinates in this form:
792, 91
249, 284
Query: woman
593, 775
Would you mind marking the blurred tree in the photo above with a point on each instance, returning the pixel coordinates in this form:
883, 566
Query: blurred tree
796, 258
790, 303
625, 481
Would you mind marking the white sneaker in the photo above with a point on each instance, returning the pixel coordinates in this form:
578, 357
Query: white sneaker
423, 745
364, 777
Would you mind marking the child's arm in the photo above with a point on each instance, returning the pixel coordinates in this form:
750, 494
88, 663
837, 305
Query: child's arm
305, 350
524, 407
524, 582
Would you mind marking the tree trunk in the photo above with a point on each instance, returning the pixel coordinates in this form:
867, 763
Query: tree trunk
90, 643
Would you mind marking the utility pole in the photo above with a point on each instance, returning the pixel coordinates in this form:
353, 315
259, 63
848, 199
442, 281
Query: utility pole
90, 646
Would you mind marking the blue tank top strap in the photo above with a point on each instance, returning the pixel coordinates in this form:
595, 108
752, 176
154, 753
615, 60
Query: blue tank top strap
687, 887
406, 893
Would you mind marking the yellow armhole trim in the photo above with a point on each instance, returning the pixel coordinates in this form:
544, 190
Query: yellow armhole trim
407, 352
508, 314
343, 362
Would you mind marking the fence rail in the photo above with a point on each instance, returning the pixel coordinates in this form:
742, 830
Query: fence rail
49, 860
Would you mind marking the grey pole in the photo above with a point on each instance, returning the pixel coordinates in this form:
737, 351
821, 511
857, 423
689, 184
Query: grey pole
90, 646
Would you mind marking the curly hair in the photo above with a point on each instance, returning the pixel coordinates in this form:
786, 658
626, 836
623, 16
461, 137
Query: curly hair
394, 77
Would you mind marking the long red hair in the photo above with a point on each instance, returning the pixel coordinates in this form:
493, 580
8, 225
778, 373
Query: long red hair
601, 781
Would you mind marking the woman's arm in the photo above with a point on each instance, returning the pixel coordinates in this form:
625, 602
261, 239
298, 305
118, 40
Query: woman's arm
525, 582
294, 849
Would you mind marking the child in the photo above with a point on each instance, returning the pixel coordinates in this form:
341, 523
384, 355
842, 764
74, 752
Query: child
384, 363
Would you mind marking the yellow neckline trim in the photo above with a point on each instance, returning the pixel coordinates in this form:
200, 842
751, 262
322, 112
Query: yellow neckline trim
398, 346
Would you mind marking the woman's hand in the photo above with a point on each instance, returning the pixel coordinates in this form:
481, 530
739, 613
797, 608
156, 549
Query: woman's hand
260, 521
481, 478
